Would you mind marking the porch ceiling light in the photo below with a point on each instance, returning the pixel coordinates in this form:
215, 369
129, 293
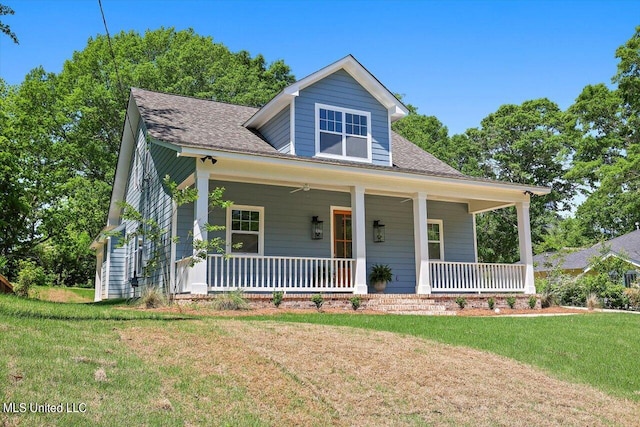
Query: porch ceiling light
213, 160
378, 231
316, 228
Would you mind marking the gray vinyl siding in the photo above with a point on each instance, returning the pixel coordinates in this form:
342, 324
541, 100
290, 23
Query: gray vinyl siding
457, 227
398, 249
184, 246
276, 131
117, 262
287, 216
340, 90
146, 192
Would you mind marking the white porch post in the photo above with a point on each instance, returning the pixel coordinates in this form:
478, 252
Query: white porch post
98, 281
198, 275
173, 249
358, 241
524, 239
420, 239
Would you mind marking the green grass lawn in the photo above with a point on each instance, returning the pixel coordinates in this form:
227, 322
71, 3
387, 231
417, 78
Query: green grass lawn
87, 293
602, 350
52, 353
63, 294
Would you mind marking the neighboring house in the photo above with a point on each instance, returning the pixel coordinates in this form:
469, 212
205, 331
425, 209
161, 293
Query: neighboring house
626, 247
322, 190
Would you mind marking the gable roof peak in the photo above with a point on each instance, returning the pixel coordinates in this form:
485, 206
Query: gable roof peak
355, 69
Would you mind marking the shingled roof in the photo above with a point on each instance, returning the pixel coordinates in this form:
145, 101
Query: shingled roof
199, 123
627, 246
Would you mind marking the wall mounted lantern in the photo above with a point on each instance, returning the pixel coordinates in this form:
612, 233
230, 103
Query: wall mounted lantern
316, 228
378, 231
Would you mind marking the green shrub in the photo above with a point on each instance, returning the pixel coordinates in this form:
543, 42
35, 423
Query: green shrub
572, 293
30, 275
462, 302
318, 300
532, 302
491, 302
152, 297
355, 302
85, 285
615, 297
511, 302
233, 300
277, 297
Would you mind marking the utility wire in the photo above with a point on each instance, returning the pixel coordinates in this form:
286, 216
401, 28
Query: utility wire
113, 56
115, 66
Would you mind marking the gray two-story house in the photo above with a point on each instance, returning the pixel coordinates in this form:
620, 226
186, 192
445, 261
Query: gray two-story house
322, 189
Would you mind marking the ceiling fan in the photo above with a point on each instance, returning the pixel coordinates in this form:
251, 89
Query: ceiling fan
305, 187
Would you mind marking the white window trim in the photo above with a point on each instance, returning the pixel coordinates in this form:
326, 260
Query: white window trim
260, 232
344, 130
441, 241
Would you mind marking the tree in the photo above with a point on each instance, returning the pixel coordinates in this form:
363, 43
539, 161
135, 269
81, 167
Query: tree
63, 132
525, 144
607, 159
628, 80
6, 10
13, 205
427, 132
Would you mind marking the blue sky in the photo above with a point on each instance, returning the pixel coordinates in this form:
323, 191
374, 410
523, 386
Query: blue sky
456, 60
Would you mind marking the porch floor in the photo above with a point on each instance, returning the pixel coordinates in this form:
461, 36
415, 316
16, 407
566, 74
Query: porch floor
433, 304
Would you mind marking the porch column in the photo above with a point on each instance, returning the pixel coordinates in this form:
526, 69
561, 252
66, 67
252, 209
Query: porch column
524, 239
421, 242
198, 275
358, 240
98, 281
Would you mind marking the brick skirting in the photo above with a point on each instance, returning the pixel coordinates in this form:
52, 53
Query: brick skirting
388, 303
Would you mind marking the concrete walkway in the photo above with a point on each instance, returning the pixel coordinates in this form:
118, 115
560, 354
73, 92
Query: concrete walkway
603, 310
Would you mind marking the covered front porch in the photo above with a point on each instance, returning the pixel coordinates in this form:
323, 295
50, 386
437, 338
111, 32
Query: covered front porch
429, 232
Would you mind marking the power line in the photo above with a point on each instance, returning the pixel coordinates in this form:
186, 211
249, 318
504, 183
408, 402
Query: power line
115, 66
113, 56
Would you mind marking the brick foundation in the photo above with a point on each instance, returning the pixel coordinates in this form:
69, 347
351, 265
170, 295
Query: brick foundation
388, 303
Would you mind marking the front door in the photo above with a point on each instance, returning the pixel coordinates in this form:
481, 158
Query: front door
342, 245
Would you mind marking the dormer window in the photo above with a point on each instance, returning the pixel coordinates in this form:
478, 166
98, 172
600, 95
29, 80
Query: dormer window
343, 133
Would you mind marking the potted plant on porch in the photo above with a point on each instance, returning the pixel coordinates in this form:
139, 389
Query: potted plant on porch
381, 274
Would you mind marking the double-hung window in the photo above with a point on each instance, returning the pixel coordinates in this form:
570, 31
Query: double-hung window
435, 239
343, 133
245, 229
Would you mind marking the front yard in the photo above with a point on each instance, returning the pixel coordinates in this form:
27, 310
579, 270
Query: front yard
138, 367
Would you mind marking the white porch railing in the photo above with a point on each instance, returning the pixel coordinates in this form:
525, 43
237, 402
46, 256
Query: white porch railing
476, 277
273, 273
